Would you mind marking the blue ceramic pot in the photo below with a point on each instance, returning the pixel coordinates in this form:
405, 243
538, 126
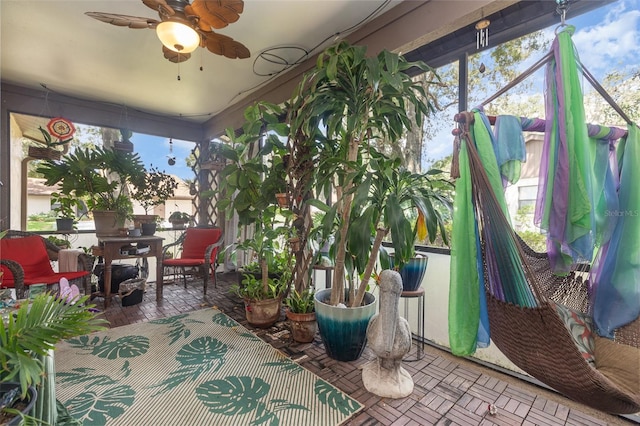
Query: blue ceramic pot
413, 272
343, 330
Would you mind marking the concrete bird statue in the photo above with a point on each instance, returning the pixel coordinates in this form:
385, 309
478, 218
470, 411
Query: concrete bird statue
389, 336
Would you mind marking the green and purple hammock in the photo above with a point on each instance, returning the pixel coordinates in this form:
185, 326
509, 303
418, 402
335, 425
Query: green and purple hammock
502, 290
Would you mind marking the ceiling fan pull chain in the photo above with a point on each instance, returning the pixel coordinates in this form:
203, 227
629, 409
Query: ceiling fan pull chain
178, 67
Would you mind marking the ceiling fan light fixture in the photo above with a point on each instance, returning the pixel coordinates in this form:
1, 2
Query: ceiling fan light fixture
178, 36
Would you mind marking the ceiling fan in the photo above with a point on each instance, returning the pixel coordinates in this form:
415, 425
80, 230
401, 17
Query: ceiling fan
184, 25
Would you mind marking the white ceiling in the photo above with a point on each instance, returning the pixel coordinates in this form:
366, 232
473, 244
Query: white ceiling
53, 43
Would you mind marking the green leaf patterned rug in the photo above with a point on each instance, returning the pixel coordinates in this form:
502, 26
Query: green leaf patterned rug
201, 368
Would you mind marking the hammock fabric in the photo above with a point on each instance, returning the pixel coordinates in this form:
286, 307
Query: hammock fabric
521, 289
534, 337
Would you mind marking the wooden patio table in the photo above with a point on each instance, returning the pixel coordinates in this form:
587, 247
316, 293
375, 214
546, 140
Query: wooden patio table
110, 249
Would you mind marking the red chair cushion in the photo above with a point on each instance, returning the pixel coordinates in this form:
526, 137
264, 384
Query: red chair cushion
31, 253
183, 262
54, 277
197, 240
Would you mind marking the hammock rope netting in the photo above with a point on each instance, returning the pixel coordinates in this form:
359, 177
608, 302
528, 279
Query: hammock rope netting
503, 290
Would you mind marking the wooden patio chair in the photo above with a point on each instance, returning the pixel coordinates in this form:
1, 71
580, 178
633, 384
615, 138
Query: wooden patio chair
25, 259
199, 250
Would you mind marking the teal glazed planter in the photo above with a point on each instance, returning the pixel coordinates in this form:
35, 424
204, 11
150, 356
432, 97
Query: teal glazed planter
413, 272
343, 330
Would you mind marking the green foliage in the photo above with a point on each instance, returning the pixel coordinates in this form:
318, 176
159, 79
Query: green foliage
254, 174
179, 216
35, 329
339, 112
405, 203
535, 240
60, 242
48, 139
154, 188
66, 205
301, 303
42, 217
253, 288
98, 176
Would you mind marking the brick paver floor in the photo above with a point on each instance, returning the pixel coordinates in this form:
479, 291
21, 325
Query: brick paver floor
447, 390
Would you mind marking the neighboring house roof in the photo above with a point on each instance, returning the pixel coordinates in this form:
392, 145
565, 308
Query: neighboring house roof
182, 192
36, 186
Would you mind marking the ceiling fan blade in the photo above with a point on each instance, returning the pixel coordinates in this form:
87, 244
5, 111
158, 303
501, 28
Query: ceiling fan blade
215, 13
159, 6
225, 46
135, 22
175, 57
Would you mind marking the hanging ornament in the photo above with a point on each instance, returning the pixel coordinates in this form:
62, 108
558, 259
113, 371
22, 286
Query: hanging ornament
61, 128
482, 33
171, 157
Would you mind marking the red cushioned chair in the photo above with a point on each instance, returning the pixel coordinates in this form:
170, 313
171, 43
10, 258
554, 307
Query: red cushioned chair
25, 259
199, 252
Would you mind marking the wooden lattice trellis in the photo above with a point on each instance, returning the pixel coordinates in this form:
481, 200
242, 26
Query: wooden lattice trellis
207, 169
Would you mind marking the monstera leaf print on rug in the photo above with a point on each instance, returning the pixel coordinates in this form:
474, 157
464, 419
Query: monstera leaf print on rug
197, 368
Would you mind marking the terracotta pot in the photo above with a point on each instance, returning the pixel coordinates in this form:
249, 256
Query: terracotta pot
295, 244
283, 199
262, 313
106, 223
303, 326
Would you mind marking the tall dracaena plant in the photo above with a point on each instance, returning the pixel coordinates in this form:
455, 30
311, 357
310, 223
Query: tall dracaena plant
356, 100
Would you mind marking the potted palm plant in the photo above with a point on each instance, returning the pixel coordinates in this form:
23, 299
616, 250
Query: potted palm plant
102, 178
27, 336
